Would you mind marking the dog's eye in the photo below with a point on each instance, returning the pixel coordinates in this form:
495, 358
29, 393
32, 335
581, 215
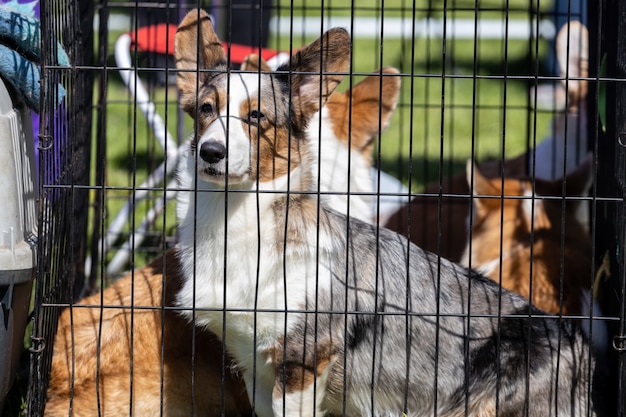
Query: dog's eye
206, 108
255, 117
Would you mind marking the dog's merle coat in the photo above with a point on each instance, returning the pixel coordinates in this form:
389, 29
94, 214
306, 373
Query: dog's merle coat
326, 314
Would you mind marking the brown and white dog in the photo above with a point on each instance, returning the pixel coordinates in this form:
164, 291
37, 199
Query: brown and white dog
325, 314
531, 240
523, 232
130, 331
124, 352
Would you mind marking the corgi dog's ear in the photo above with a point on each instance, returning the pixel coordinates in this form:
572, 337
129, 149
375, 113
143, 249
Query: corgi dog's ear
376, 95
315, 70
196, 48
578, 184
255, 63
375, 91
481, 185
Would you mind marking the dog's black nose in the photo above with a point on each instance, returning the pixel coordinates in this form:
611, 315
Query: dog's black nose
212, 152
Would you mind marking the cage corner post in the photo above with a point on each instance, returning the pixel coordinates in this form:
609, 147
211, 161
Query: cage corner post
64, 171
613, 143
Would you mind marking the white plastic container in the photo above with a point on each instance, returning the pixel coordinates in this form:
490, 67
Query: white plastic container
18, 197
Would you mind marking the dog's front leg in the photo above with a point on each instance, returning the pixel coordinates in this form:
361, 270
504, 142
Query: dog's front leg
303, 400
260, 389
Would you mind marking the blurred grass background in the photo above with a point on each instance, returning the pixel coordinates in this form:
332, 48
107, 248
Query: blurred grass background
460, 97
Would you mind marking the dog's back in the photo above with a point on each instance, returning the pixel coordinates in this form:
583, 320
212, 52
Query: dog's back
108, 354
424, 331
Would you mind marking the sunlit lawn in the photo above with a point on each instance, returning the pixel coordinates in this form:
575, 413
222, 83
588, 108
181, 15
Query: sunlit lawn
473, 100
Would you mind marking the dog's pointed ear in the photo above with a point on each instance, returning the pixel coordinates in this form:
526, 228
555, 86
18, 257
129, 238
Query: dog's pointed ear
196, 47
481, 184
374, 96
317, 69
579, 183
376, 92
254, 62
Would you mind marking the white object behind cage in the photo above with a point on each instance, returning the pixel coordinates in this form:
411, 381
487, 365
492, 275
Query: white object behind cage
17, 227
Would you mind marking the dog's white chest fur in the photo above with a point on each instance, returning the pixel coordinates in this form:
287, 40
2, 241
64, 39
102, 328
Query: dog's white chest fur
233, 262
343, 173
243, 285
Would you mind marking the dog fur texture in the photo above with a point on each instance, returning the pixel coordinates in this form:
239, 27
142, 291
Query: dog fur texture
535, 246
342, 134
91, 374
325, 314
106, 356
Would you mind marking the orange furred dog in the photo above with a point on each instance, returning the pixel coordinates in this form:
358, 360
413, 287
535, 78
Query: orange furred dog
106, 357
522, 243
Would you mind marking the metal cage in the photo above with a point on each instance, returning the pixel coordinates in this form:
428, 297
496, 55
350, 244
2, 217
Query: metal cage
108, 154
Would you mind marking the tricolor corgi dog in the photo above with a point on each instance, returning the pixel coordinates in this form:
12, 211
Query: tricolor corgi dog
523, 233
138, 350
326, 314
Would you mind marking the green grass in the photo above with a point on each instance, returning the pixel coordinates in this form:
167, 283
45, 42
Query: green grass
468, 100
396, 8
132, 154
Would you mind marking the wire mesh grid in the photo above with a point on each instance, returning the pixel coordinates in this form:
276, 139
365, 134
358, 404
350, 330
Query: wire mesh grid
64, 141
484, 82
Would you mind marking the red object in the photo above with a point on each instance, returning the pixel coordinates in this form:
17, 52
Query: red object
160, 39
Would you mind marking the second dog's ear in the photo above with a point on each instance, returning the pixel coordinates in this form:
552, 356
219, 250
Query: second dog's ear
479, 184
196, 48
254, 62
317, 69
579, 181
372, 102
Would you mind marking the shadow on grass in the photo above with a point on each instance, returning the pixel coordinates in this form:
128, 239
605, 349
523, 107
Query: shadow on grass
521, 60
144, 161
424, 171
520, 65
